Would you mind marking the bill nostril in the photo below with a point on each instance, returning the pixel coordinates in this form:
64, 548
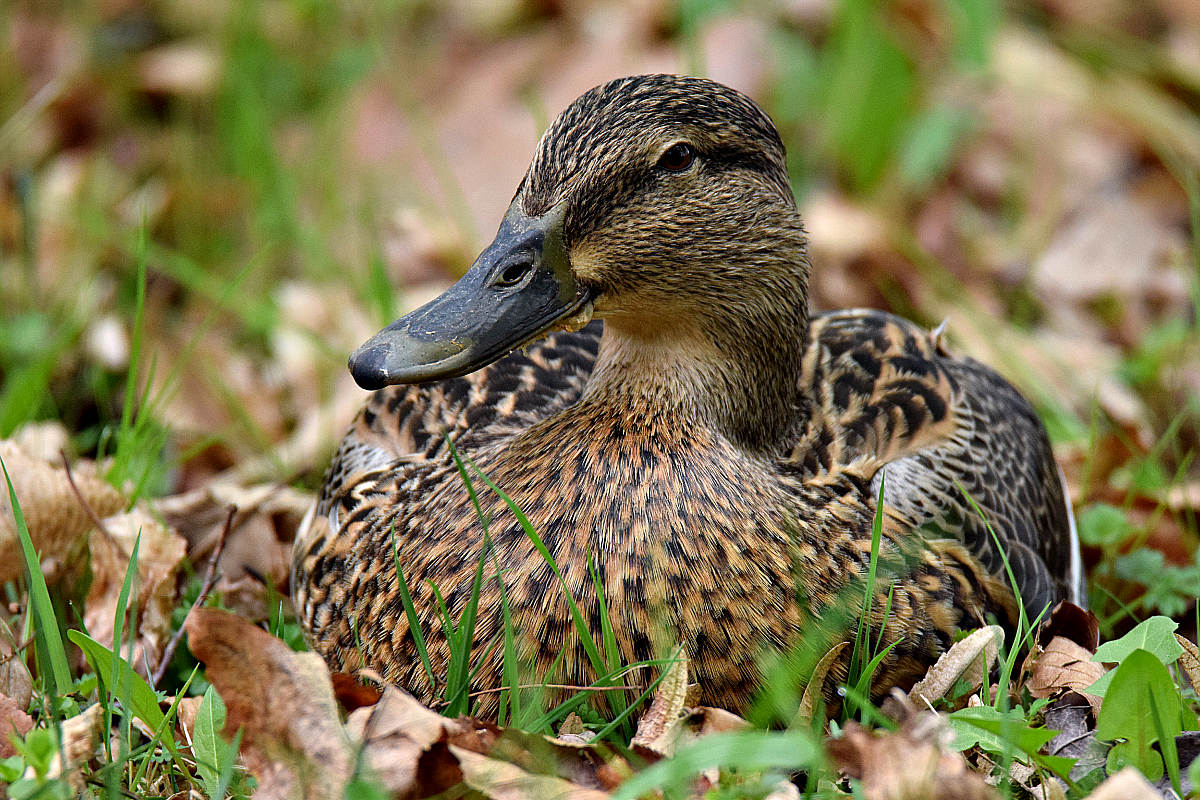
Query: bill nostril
515, 272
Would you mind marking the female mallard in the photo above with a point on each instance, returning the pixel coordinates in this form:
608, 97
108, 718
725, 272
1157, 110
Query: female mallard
713, 450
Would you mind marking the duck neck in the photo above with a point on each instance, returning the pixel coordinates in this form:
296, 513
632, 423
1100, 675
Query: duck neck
731, 365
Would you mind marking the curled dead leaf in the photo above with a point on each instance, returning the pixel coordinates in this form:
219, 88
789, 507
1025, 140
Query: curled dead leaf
282, 701
659, 728
404, 744
1065, 666
57, 523
971, 657
1072, 622
500, 780
1190, 660
816, 684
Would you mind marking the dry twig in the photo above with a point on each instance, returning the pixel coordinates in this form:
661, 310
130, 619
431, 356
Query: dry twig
210, 580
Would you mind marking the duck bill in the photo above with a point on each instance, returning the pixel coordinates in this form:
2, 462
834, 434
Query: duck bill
520, 287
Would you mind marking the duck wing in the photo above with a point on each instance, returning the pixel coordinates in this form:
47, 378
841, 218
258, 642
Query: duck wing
966, 458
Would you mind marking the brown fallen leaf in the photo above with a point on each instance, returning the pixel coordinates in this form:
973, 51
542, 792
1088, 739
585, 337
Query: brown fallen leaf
1072, 622
351, 694
1128, 784
404, 744
1065, 666
975, 654
80, 739
57, 523
292, 739
1190, 660
15, 680
816, 684
659, 727
909, 763
258, 547
500, 780
14, 721
160, 554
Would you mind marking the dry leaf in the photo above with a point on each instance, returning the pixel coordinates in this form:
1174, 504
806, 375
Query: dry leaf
13, 720
571, 726
500, 780
15, 680
1064, 665
404, 744
160, 554
1072, 622
292, 741
816, 684
351, 694
977, 653
1190, 660
44, 440
908, 763
258, 547
57, 523
80, 738
1128, 784
706, 720
659, 728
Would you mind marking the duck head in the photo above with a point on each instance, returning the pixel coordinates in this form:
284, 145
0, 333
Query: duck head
659, 203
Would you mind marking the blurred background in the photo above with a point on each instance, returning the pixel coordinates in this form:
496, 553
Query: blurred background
205, 206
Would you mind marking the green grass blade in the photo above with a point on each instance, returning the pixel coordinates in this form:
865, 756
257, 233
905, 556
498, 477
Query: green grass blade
410, 612
581, 627
510, 699
860, 654
608, 637
457, 677
1166, 742
45, 629
119, 631
749, 750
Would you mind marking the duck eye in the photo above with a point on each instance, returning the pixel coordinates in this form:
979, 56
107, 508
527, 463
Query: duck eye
677, 158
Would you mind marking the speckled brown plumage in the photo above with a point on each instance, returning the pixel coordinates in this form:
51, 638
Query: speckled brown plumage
712, 449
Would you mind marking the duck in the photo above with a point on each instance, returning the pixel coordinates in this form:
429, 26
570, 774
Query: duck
631, 370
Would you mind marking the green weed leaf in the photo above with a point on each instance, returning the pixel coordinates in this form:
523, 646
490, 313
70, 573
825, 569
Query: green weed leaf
1140, 703
143, 702
1007, 734
1102, 525
11, 768
1156, 635
207, 743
